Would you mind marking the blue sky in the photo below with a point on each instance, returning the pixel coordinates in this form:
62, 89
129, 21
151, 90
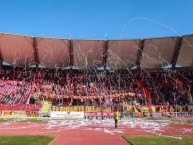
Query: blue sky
97, 19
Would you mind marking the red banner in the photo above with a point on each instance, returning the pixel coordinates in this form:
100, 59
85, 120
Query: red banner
98, 114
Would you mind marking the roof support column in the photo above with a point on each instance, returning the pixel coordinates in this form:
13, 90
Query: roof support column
1, 62
35, 52
176, 51
1, 57
139, 54
105, 54
71, 62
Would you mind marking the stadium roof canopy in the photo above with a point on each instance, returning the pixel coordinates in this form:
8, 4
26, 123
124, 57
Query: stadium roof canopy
26, 51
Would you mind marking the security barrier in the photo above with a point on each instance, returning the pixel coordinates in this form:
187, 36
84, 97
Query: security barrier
180, 114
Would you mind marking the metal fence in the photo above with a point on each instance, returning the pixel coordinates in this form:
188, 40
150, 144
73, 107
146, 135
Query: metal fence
181, 114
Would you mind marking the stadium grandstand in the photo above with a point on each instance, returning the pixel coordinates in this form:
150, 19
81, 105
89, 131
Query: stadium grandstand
142, 77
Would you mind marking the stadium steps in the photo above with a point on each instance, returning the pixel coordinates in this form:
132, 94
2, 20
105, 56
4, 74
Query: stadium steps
45, 111
145, 91
188, 88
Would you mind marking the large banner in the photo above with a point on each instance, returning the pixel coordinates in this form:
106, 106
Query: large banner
81, 109
13, 114
70, 115
32, 113
68, 108
20, 107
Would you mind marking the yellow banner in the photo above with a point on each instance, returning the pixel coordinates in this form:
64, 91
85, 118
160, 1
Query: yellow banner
6, 113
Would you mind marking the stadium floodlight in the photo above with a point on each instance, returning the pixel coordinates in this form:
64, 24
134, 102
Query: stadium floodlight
39, 66
103, 68
170, 66
6, 63
134, 67
177, 65
70, 67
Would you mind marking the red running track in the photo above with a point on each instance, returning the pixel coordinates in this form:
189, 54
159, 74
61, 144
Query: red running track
92, 134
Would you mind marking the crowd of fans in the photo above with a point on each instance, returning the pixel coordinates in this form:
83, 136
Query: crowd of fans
95, 88
168, 90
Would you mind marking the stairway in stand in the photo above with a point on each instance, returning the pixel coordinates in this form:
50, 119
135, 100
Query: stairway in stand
145, 92
45, 111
